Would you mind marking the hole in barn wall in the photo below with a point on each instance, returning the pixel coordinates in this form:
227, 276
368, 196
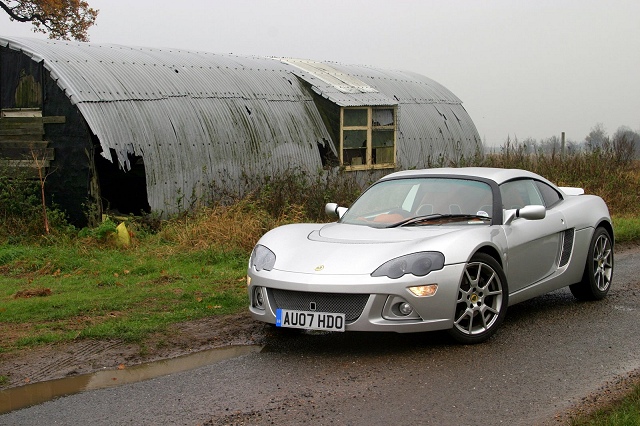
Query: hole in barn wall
327, 156
122, 192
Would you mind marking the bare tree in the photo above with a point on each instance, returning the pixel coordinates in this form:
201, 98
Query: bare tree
597, 137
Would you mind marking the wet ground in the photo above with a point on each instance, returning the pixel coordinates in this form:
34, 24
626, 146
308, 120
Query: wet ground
87, 356
36, 393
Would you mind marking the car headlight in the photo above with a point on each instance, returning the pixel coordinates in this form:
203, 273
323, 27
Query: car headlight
418, 264
262, 258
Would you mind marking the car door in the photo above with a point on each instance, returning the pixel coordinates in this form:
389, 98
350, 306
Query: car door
533, 245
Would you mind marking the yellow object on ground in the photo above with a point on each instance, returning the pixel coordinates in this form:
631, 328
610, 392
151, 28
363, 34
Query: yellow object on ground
123, 238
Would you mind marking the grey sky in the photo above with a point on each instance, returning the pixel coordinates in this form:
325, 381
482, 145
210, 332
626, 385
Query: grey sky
521, 68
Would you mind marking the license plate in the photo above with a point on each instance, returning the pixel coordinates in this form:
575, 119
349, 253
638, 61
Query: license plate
310, 320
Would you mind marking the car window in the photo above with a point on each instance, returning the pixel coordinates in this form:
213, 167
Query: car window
454, 196
396, 200
549, 194
519, 193
386, 196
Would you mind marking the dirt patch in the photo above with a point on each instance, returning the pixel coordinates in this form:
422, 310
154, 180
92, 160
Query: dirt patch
38, 292
86, 356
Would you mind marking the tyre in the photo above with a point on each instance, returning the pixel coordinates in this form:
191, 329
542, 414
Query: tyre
598, 271
483, 297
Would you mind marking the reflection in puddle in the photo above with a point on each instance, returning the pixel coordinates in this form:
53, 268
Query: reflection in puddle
37, 393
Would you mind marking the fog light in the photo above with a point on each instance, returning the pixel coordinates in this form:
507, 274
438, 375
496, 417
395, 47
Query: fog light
424, 290
258, 298
248, 280
405, 308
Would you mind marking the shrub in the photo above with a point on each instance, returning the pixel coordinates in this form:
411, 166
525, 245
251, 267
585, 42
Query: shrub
21, 212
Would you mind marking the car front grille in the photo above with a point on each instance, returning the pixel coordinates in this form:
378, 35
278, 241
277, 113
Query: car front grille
351, 305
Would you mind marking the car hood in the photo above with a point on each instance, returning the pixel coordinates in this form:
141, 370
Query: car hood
353, 249
358, 234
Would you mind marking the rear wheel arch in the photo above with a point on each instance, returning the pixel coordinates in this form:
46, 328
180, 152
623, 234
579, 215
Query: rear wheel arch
608, 227
598, 271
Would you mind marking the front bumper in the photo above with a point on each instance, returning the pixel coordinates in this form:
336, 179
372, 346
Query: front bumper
430, 313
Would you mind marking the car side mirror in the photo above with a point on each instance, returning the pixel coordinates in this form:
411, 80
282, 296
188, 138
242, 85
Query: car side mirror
333, 210
526, 212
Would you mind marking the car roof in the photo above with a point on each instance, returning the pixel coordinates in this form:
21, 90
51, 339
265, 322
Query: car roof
497, 175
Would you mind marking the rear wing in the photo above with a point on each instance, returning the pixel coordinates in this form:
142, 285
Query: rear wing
572, 191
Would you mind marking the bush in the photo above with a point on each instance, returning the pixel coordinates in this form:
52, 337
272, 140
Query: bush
20, 206
102, 232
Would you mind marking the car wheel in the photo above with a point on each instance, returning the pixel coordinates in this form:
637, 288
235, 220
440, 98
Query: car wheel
598, 271
482, 302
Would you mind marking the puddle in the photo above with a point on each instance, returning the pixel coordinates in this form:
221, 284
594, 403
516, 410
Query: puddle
37, 393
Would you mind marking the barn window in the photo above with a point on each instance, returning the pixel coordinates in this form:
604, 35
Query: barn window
367, 137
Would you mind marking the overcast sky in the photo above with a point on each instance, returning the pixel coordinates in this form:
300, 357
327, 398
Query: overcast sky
521, 68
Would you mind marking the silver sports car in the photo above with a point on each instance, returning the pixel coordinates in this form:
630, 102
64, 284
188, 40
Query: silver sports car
438, 249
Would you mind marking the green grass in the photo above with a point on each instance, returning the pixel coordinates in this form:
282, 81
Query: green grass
626, 228
58, 293
86, 288
622, 413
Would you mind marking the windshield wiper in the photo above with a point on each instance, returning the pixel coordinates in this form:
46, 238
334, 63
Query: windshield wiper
425, 218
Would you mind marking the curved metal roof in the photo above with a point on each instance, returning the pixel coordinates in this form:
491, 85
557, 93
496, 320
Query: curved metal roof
198, 117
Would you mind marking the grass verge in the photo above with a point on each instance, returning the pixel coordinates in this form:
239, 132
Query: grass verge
625, 412
85, 288
50, 294
626, 228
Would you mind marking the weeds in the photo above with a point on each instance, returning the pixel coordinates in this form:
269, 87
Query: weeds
21, 208
233, 222
607, 170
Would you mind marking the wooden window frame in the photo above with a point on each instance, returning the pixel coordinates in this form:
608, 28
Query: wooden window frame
369, 128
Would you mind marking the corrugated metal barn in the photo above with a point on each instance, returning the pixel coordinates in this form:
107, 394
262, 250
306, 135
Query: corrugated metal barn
133, 128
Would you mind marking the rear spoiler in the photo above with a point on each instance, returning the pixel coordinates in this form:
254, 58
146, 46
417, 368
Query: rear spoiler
572, 191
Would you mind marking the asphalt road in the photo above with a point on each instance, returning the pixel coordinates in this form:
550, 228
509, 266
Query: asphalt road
550, 353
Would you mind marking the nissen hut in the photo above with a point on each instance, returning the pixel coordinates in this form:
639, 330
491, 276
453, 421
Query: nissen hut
144, 129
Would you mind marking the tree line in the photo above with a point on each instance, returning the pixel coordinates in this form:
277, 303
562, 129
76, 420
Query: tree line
624, 140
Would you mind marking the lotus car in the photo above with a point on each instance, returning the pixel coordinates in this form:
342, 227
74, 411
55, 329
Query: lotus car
437, 249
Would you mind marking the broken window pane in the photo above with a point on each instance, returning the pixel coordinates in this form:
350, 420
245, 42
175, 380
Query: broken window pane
382, 117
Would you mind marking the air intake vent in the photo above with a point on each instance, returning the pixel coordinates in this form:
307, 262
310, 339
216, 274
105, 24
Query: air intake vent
567, 247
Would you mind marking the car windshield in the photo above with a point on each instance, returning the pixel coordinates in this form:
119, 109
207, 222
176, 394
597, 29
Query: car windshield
422, 202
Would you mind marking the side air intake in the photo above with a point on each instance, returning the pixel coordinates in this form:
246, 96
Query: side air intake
567, 247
